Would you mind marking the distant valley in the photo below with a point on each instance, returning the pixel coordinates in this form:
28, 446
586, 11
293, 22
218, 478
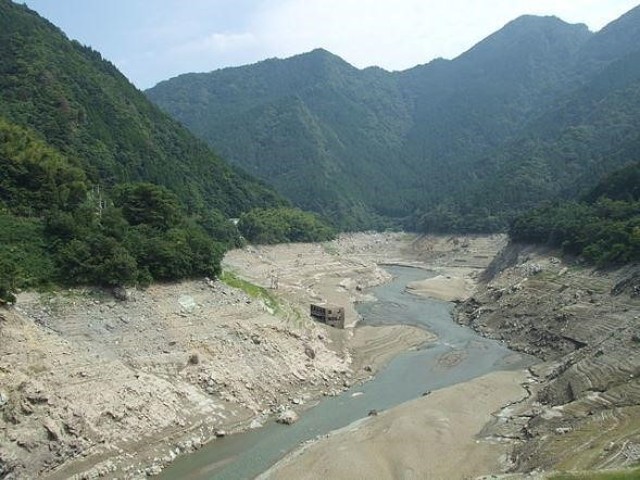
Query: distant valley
539, 110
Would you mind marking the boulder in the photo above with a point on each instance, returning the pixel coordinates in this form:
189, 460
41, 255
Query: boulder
153, 470
123, 294
194, 358
309, 352
187, 303
530, 269
53, 430
255, 423
288, 417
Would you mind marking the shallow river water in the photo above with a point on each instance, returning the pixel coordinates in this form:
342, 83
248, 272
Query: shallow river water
458, 355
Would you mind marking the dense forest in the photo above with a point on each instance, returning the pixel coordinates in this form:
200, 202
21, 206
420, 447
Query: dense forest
84, 107
539, 110
603, 227
97, 185
283, 225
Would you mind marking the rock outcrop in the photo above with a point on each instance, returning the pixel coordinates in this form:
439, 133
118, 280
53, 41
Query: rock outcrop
584, 323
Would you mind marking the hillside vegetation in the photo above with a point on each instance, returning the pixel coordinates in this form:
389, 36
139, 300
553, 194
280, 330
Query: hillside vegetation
604, 227
84, 107
539, 110
97, 185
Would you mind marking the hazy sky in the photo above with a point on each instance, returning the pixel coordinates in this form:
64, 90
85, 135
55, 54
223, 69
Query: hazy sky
152, 40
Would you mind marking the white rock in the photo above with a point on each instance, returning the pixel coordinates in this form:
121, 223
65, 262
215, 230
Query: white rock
255, 423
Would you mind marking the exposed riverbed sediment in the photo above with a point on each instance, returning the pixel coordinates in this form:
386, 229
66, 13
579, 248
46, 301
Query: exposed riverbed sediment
91, 385
436, 436
585, 323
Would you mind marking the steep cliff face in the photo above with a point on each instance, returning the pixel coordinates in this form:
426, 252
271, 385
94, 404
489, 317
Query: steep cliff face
585, 324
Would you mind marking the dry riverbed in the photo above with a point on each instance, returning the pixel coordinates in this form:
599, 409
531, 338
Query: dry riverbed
445, 435
93, 386
437, 436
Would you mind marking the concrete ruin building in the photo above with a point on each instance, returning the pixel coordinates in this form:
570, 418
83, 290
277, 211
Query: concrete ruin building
332, 315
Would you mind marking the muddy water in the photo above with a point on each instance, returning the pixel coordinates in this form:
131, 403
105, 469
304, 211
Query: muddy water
458, 355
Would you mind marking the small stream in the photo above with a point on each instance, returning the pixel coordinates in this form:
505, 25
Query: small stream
458, 355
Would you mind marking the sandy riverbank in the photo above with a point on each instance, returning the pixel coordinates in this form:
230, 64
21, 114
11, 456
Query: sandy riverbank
445, 287
431, 437
456, 263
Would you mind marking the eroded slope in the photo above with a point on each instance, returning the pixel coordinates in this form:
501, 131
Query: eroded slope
586, 323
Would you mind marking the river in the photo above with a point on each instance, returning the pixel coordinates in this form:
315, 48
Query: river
458, 355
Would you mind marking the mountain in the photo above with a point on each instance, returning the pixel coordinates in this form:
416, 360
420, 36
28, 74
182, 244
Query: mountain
616, 40
486, 94
82, 105
540, 109
97, 184
294, 122
584, 134
469, 107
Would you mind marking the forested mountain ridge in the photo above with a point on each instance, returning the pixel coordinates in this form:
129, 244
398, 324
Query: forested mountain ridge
300, 111
468, 108
560, 154
83, 106
98, 186
459, 144
616, 40
488, 92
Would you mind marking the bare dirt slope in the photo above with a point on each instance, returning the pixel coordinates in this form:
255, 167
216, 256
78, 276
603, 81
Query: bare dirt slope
84, 375
586, 323
91, 385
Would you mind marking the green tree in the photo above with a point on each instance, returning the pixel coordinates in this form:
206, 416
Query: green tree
149, 204
283, 225
8, 281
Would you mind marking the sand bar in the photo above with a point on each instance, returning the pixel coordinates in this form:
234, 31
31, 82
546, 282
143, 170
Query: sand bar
431, 437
